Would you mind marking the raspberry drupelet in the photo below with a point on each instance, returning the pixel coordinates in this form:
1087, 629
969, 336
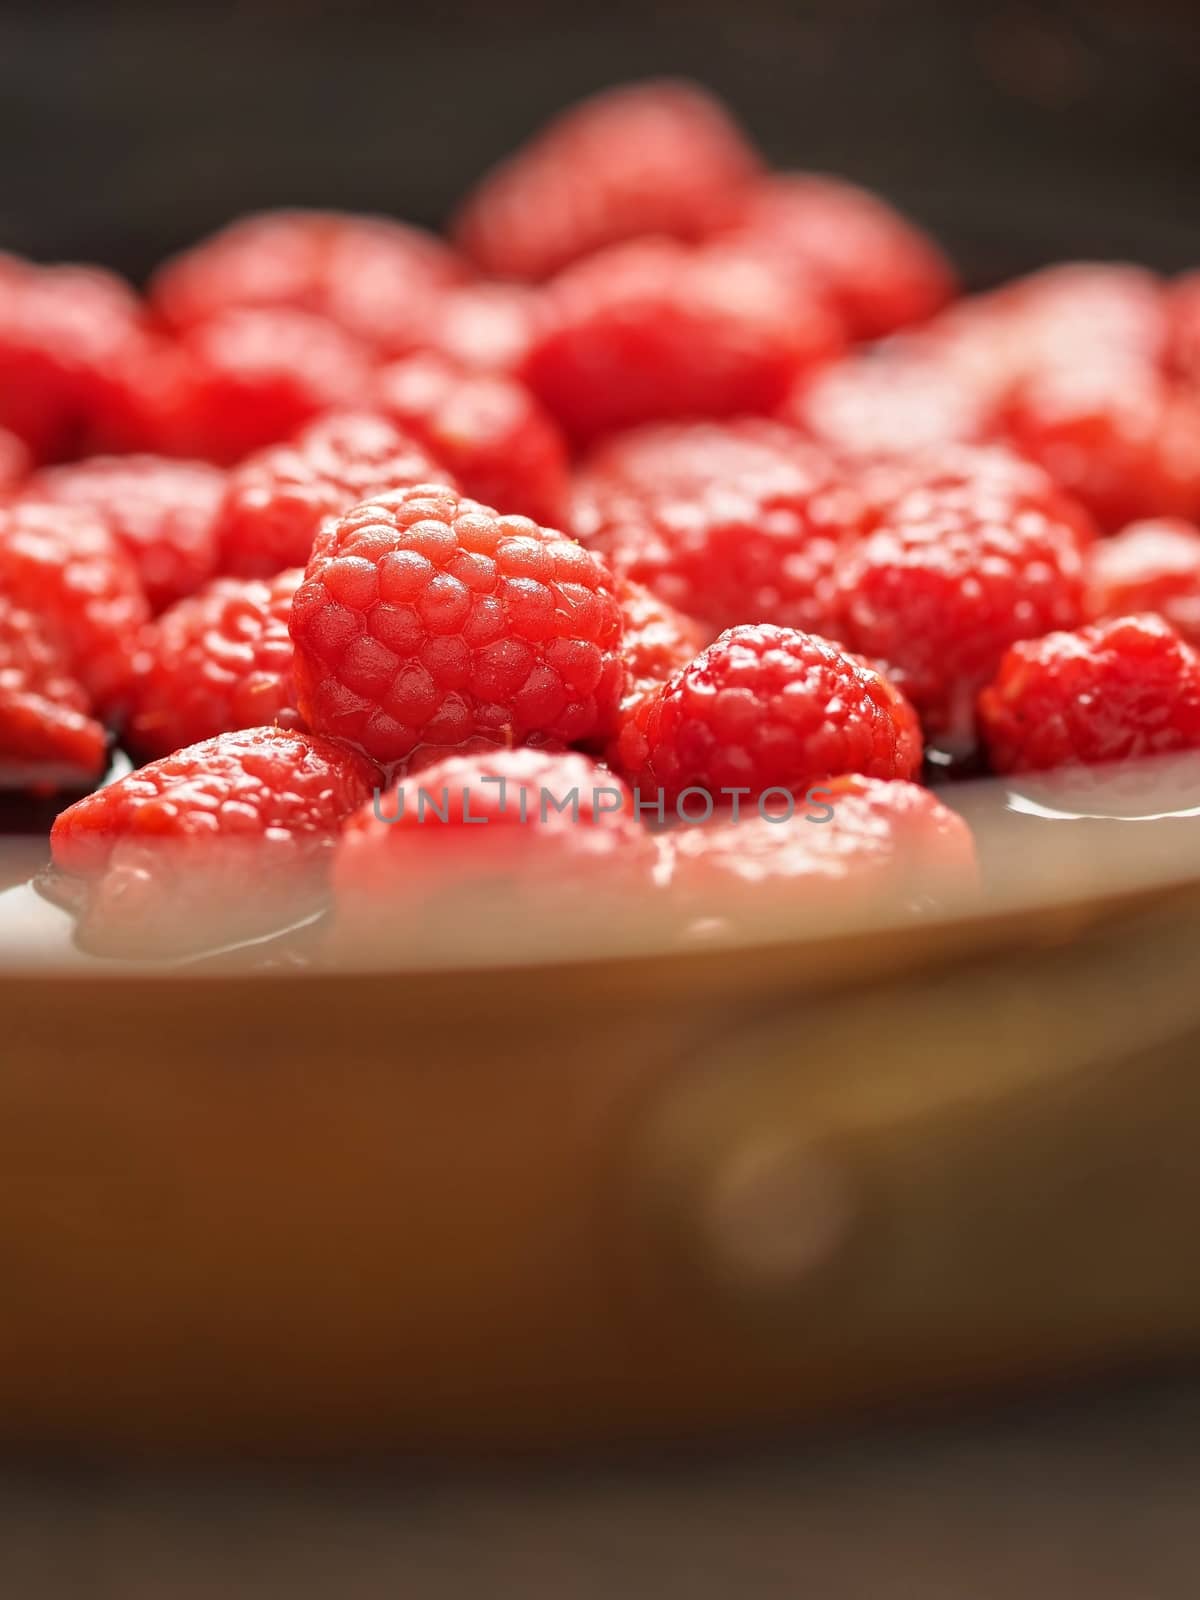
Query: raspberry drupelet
650, 158
218, 661
425, 618
1149, 566
764, 709
224, 840
1110, 692
276, 499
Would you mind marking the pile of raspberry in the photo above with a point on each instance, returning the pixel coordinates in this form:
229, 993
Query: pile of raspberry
629, 555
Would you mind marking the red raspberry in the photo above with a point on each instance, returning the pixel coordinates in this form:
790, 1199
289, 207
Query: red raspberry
224, 840
509, 840
730, 523
63, 564
276, 500
217, 661
487, 327
1151, 566
425, 618
375, 277
252, 378
858, 843
647, 158
1183, 325
488, 429
657, 640
47, 738
1119, 689
161, 511
766, 709
946, 582
658, 330
879, 270
15, 462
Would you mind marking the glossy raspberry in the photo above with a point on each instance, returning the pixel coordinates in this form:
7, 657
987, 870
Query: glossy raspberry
223, 840
48, 739
499, 443
15, 462
276, 499
879, 270
63, 564
855, 843
656, 330
425, 618
734, 523
949, 578
161, 511
1110, 692
375, 277
1150, 566
766, 709
217, 661
649, 158
656, 639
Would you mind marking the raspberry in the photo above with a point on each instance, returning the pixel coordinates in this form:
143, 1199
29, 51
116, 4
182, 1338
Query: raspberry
425, 618
252, 378
649, 158
215, 662
729, 524
223, 840
375, 277
658, 330
857, 843
879, 271
950, 577
489, 430
486, 327
15, 462
161, 511
1151, 566
47, 737
657, 640
62, 564
509, 840
1119, 689
766, 709
1183, 328
276, 500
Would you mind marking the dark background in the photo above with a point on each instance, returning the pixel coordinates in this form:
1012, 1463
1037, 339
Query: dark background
1018, 133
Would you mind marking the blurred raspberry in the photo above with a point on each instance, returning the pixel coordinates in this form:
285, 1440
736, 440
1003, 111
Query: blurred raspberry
1150, 566
1116, 690
1183, 322
648, 158
276, 499
225, 840
765, 709
15, 462
161, 511
879, 270
656, 330
48, 739
425, 618
657, 640
487, 327
215, 662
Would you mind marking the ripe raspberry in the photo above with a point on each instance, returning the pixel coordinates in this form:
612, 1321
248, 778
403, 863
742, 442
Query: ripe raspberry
223, 840
47, 738
425, 618
374, 277
656, 641
648, 158
487, 327
507, 840
858, 843
1116, 690
15, 462
62, 564
658, 330
161, 511
489, 430
1151, 566
946, 582
879, 270
766, 709
730, 524
276, 500
215, 662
